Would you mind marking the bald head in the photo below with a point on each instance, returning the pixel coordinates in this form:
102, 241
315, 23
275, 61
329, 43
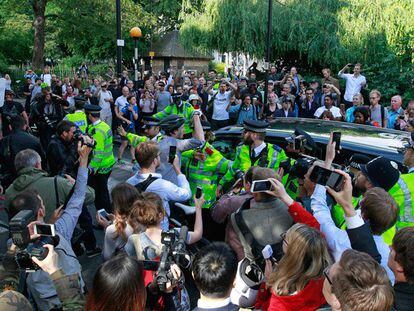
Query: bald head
125, 91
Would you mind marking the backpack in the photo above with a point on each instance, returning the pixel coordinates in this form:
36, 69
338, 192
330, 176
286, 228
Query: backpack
143, 185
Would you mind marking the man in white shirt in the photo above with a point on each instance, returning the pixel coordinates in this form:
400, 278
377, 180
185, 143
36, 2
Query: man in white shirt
105, 101
46, 76
354, 83
220, 115
148, 157
328, 105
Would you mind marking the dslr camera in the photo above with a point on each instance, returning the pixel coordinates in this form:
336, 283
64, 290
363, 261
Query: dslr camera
173, 252
79, 136
26, 247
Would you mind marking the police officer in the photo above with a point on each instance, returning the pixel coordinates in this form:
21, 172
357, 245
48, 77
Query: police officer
300, 143
102, 159
403, 191
203, 167
78, 117
151, 130
180, 108
254, 152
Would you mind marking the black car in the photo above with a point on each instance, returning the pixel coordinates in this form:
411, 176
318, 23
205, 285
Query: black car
369, 140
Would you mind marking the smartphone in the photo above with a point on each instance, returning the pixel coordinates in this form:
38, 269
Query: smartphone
267, 252
261, 186
103, 214
336, 137
325, 177
199, 192
44, 229
171, 154
150, 265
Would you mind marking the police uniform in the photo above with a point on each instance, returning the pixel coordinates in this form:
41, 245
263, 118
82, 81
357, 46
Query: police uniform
135, 139
403, 193
206, 174
270, 156
102, 159
78, 117
186, 111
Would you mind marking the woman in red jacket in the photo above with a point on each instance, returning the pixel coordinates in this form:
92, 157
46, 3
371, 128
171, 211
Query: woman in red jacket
296, 282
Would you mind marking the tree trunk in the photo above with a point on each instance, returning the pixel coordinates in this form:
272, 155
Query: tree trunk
39, 8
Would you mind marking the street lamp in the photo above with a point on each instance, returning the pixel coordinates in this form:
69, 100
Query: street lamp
135, 33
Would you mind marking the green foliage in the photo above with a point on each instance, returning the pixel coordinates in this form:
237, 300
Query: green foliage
219, 67
314, 33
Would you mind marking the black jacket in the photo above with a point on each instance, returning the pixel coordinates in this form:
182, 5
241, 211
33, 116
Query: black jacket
12, 144
305, 111
229, 307
404, 296
61, 157
362, 240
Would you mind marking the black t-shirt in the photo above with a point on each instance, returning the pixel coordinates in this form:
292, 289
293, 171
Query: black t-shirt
8, 110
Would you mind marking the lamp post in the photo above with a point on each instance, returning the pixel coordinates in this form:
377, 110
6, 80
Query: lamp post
119, 41
267, 57
135, 33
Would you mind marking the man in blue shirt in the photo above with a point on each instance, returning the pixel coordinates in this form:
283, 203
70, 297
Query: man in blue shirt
395, 111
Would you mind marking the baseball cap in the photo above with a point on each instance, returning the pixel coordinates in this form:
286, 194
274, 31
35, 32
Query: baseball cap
381, 172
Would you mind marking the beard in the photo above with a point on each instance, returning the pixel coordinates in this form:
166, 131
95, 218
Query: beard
247, 140
357, 190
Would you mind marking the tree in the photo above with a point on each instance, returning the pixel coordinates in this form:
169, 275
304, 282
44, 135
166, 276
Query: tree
39, 21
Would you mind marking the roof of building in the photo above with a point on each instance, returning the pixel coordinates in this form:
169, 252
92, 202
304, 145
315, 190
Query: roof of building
170, 46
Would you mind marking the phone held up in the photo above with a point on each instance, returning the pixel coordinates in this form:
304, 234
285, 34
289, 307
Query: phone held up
171, 154
199, 192
45, 229
336, 137
103, 214
325, 177
261, 186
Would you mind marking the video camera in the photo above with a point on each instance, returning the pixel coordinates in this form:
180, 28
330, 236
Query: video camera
79, 136
173, 251
26, 247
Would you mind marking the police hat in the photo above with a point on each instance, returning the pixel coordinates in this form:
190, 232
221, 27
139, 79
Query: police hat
255, 126
79, 99
381, 172
171, 122
92, 108
358, 159
150, 121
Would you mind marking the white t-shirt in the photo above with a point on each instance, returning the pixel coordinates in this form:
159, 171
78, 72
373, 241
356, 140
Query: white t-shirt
105, 105
47, 78
121, 102
220, 106
353, 85
336, 112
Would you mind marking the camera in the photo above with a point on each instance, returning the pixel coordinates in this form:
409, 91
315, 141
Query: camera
50, 123
79, 136
173, 251
26, 247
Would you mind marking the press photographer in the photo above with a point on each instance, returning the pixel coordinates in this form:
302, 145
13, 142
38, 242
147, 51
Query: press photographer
46, 112
30, 205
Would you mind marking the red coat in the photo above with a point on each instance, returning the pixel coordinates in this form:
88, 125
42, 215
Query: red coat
308, 299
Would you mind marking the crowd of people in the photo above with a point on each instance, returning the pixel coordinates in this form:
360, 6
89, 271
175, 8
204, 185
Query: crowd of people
271, 229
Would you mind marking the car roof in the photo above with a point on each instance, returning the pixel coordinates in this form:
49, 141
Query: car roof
357, 138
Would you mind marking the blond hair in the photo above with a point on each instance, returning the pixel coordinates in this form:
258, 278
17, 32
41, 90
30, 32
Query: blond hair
305, 259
